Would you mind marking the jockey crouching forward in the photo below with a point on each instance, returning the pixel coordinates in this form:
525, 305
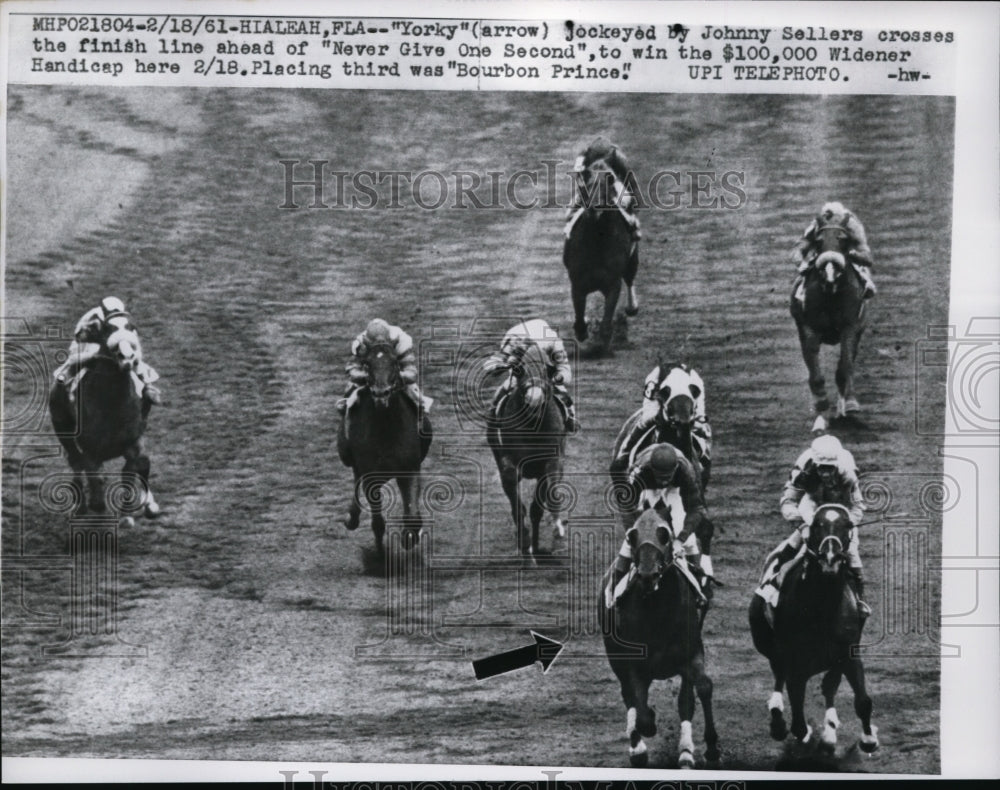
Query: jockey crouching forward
96, 328
599, 155
379, 332
856, 244
824, 474
663, 478
512, 350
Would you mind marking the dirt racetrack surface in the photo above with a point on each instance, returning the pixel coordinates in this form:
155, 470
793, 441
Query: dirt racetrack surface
250, 624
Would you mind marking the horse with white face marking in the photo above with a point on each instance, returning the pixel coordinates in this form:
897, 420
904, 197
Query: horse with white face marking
816, 629
830, 311
653, 632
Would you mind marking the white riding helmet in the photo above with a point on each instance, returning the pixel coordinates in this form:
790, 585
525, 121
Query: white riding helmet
112, 306
826, 450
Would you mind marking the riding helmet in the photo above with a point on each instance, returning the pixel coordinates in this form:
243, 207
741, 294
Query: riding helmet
663, 462
827, 450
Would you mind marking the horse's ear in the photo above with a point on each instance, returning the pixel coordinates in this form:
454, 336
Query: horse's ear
663, 535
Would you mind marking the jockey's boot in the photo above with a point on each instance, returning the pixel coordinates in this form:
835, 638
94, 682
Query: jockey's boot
866, 277
152, 394
572, 423
342, 403
858, 583
634, 224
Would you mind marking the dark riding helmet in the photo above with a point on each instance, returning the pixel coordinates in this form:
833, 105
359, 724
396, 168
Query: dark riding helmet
663, 463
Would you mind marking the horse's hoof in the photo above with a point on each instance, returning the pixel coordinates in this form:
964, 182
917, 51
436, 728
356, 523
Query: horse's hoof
152, 509
779, 730
350, 525
822, 405
410, 539
685, 760
869, 743
638, 756
126, 522
851, 405
632, 312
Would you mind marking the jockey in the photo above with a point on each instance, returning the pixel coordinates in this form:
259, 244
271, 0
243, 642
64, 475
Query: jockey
858, 252
513, 347
601, 152
651, 407
88, 339
824, 474
662, 476
379, 331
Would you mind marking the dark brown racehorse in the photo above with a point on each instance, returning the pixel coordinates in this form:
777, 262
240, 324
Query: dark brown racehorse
834, 313
382, 438
600, 255
653, 632
106, 420
816, 625
528, 440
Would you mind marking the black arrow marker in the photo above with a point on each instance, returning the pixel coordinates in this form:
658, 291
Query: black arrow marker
544, 650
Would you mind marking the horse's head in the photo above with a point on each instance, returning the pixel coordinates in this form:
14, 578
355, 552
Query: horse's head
829, 537
831, 237
596, 183
122, 345
530, 371
382, 369
677, 392
651, 540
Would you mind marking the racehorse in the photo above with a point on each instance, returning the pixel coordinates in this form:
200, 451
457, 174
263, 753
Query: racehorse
833, 313
106, 419
599, 255
653, 632
676, 391
816, 625
528, 439
382, 438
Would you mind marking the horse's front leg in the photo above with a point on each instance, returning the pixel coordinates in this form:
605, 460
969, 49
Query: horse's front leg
373, 493
831, 682
137, 462
95, 482
847, 402
580, 314
610, 304
810, 345
409, 488
354, 509
632, 301
685, 709
640, 720
854, 671
703, 685
797, 699
510, 479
